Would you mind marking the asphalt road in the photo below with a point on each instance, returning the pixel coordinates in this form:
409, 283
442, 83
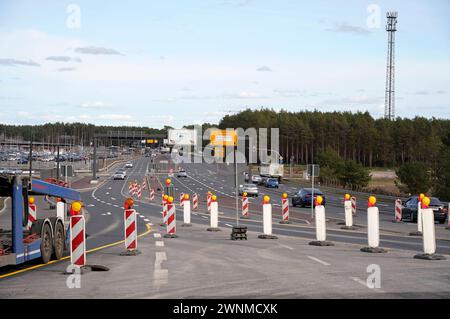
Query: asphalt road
198, 251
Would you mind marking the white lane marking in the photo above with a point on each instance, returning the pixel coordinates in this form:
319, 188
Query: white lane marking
160, 275
319, 261
90, 205
103, 202
307, 221
109, 204
142, 216
103, 214
157, 235
116, 206
359, 281
159, 243
228, 225
146, 220
107, 193
205, 217
108, 213
285, 246
113, 198
109, 187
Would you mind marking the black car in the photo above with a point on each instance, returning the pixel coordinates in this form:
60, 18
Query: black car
409, 210
303, 197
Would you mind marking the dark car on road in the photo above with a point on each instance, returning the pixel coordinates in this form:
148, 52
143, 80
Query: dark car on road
409, 210
303, 197
272, 183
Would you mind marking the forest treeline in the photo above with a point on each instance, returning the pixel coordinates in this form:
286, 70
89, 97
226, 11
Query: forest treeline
353, 136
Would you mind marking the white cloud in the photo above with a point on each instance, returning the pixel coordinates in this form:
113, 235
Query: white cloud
264, 68
243, 95
97, 51
344, 27
95, 105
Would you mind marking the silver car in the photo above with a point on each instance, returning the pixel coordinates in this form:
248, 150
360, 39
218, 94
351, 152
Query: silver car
250, 189
119, 175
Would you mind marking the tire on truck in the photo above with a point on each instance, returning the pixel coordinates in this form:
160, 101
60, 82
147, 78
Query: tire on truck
59, 237
44, 229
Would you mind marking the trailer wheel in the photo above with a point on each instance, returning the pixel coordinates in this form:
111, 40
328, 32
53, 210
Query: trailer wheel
46, 244
59, 241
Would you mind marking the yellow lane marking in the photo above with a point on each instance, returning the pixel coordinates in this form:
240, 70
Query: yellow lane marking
148, 231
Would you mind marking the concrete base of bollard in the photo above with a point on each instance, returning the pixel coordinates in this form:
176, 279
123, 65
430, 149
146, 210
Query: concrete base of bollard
321, 243
373, 250
170, 236
186, 225
285, 222
263, 236
245, 217
162, 225
130, 253
213, 229
349, 227
429, 257
415, 233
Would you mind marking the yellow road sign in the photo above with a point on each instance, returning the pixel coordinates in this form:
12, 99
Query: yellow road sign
223, 138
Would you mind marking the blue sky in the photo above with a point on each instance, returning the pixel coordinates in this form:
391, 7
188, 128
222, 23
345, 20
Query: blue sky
155, 63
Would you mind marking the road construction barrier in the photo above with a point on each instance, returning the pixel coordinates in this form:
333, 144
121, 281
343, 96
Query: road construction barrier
181, 199
373, 228
348, 211
171, 219
130, 189
214, 214
448, 216
152, 194
398, 210
32, 212
284, 209
419, 217
61, 210
135, 188
208, 201
428, 238
321, 228
164, 209
267, 219
144, 183
353, 200
245, 208
130, 229
195, 201
139, 191
77, 241
186, 211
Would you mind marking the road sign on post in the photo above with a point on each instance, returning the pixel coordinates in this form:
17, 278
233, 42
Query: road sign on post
313, 171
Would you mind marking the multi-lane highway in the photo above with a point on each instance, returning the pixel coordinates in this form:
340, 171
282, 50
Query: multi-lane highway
200, 263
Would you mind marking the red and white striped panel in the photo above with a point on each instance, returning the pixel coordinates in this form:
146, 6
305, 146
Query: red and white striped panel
130, 229
135, 189
208, 202
181, 199
171, 219
195, 201
31, 215
152, 194
130, 189
77, 241
139, 191
164, 205
245, 206
398, 210
285, 209
144, 183
353, 200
